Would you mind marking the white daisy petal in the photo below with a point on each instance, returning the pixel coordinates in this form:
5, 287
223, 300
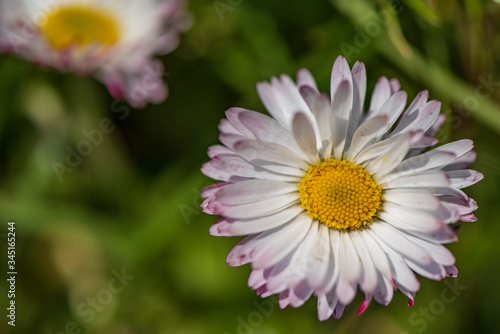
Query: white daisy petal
419, 180
282, 99
464, 178
305, 78
424, 162
290, 95
409, 219
420, 143
237, 166
300, 294
223, 175
395, 85
305, 136
417, 102
366, 134
309, 95
257, 150
290, 271
211, 190
407, 293
342, 102
270, 100
277, 275
248, 249
451, 271
436, 126
321, 111
444, 236
358, 100
232, 115
384, 291
433, 270
217, 150
377, 149
289, 237
326, 305
454, 203
339, 310
369, 280
349, 269
234, 227
401, 273
434, 159
410, 198
463, 162
340, 73
256, 278
333, 199
230, 139
393, 108
379, 257
421, 119
390, 159
239, 255
253, 190
268, 129
226, 127
400, 243
332, 270
359, 92
257, 169
439, 253
320, 257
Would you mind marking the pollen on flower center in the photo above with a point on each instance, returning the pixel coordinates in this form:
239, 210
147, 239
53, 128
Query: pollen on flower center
340, 194
78, 25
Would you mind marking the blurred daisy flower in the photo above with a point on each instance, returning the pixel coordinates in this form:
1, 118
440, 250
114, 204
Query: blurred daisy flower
115, 41
333, 198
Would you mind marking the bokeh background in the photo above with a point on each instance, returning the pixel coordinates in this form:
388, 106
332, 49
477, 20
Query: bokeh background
131, 206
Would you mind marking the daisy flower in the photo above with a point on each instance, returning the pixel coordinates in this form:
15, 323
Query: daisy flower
115, 41
333, 198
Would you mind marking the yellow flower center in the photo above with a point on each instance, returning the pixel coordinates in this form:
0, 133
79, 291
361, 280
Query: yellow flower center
340, 194
80, 25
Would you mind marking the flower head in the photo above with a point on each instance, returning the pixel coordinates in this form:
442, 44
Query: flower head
116, 41
333, 198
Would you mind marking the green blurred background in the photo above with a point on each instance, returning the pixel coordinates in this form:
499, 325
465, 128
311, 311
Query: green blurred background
132, 204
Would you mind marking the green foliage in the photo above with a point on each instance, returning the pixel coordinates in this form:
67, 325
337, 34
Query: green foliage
133, 202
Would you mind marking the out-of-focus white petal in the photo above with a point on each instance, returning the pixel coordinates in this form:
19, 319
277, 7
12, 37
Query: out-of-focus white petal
305, 78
